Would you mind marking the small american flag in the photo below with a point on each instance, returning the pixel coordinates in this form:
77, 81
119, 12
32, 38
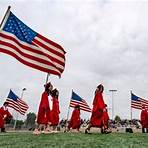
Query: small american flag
16, 103
31, 48
77, 100
137, 102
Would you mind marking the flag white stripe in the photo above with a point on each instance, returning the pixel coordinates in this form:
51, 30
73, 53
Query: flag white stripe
33, 54
49, 45
80, 103
16, 106
34, 47
29, 60
22, 103
24, 108
82, 108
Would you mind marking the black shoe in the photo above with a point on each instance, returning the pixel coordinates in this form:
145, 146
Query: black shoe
86, 132
102, 131
3, 130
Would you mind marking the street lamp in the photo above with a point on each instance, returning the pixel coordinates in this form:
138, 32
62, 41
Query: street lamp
17, 112
22, 92
113, 91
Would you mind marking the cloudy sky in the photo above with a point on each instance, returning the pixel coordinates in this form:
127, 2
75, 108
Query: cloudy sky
106, 42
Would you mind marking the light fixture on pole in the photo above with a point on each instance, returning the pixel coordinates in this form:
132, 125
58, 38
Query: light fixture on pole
23, 92
113, 91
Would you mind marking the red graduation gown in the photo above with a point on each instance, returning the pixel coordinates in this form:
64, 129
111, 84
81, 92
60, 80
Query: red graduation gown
105, 117
97, 111
55, 112
75, 121
4, 114
43, 116
144, 118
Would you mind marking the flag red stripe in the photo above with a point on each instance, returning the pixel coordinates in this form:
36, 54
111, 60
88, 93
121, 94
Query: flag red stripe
138, 104
28, 63
80, 103
16, 106
24, 108
22, 104
144, 101
81, 106
12, 106
51, 42
37, 42
50, 63
27, 55
88, 110
32, 48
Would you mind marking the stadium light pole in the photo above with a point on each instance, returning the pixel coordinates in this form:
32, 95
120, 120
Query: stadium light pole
22, 93
113, 91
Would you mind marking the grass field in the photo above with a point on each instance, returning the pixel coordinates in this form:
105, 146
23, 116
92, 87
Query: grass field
73, 140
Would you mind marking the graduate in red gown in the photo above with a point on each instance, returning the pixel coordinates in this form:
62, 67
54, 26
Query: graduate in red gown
4, 116
144, 119
43, 116
55, 109
96, 119
75, 120
105, 128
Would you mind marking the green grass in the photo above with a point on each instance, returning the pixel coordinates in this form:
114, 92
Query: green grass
73, 140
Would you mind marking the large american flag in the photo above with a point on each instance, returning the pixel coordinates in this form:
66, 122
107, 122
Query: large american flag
137, 102
31, 48
77, 100
16, 103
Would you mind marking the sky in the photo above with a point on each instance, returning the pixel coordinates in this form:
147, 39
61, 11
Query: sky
106, 41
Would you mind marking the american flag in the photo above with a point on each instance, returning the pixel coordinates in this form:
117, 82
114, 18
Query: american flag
31, 48
137, 102
77, 100
16, 103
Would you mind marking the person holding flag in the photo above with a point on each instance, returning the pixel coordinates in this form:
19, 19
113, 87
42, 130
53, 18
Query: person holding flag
43, 117
75, 120
96, 119
55, 109
4, 116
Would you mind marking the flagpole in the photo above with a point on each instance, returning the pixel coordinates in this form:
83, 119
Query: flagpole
47, 77
17, 115
68, 113
8, 10
131, 104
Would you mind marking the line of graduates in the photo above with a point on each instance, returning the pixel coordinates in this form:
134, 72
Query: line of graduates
5, 115
144, 119
49, 117
46, 116
99, 117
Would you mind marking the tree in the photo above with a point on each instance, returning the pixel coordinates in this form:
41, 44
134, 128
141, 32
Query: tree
19, 123
30, 121
117, 118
